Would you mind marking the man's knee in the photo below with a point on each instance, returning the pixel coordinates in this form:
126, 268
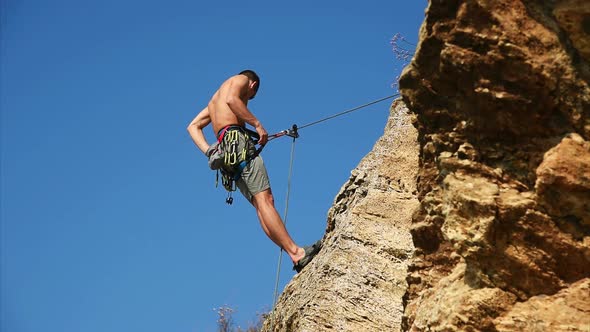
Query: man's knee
263, 198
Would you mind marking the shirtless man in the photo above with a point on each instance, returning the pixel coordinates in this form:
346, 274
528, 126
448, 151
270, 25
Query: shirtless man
229, 107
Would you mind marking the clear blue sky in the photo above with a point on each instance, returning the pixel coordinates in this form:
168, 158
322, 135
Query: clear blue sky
110, 220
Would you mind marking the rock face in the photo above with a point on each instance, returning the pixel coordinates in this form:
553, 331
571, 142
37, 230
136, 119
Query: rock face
502, 234
357, 281
480, 219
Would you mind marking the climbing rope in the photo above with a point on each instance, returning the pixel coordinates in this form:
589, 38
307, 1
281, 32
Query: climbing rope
348, 111
293, 132
276, 293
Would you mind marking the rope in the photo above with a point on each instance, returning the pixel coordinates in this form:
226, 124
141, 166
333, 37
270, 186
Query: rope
293, 133
349, 111
276, 293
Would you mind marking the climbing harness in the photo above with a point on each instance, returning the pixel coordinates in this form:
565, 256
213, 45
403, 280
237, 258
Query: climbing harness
235, 159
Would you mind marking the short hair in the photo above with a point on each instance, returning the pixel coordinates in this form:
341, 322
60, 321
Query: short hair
253, 76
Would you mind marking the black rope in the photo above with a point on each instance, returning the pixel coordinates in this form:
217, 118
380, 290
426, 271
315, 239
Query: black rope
348, 111
293, 131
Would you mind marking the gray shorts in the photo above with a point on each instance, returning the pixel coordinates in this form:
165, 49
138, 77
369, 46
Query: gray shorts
254, 178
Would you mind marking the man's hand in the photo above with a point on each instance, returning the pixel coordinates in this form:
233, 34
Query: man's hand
262, 133
212, 148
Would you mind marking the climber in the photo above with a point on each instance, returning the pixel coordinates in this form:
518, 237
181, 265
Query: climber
228, 112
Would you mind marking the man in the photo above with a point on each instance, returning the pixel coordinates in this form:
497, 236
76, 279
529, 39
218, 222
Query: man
228, 111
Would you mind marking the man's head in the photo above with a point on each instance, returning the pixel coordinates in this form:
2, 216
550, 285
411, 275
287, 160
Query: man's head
254, 81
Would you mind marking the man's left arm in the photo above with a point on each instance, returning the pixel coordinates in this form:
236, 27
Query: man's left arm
195, 129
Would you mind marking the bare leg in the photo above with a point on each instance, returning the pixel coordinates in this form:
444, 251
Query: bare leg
273, 225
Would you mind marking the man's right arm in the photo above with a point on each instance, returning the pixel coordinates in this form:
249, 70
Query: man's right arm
195, 129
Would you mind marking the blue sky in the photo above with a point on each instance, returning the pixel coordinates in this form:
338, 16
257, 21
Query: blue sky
110, 219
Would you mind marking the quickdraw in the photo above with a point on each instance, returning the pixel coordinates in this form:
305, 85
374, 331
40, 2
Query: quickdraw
292, 132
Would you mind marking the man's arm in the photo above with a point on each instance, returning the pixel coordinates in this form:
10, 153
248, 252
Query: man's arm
239, 85
195, 129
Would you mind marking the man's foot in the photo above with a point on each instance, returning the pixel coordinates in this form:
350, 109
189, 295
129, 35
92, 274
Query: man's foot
300, 254
310, 253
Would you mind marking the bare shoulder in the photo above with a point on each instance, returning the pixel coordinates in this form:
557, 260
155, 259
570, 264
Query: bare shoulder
234, 82
240, 78
238, 81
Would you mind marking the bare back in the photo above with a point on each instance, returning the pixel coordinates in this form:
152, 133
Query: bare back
219, 111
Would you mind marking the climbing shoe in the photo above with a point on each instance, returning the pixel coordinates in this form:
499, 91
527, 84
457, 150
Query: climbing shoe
310, 252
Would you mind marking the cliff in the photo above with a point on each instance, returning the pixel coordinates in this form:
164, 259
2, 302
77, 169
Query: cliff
472, 212
500, 89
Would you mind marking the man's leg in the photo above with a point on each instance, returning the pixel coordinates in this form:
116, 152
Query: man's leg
273, 225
